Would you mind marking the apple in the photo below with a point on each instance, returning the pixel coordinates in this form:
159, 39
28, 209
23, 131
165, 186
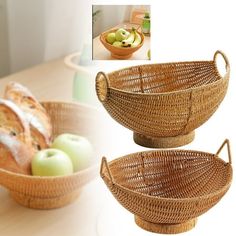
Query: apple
51, 162
111, 38
77, 148
117, 44
122, 34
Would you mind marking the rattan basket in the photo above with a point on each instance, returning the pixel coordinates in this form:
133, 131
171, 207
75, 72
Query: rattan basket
54, 192
167, 190
119, 53
163, 103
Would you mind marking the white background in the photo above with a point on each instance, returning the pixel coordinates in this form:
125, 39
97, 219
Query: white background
181, 30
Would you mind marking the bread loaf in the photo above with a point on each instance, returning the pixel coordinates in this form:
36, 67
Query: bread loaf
15, 141
40, 124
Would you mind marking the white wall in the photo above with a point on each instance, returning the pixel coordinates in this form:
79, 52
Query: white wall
4, 49
110, 16
41, 30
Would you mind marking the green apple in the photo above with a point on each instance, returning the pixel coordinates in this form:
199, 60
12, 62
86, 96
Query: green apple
117, 44
111, 38
51, 162
77, 148
122, 34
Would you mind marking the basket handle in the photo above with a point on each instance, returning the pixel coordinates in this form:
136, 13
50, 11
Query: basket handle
104, 164
102, 86
226, 142
227, 65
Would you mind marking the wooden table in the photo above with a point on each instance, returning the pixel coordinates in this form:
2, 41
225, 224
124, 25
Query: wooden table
101, 53
49, 81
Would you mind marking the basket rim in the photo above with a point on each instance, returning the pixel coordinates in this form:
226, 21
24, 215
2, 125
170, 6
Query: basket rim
226, 77
122, 48
73, 103
217, 158
50, 178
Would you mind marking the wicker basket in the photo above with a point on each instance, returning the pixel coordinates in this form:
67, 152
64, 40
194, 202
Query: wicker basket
54, 192
167, 190
119, 53
164, 103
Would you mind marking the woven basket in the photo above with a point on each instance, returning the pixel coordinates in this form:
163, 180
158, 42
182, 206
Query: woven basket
119, 53
53, 192
164, 103
167, 190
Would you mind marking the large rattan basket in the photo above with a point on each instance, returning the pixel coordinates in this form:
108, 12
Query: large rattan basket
164, 103
54, 192
116, 52
167, 190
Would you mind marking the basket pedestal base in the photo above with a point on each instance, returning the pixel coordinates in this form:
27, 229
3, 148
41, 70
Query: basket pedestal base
44, 203
121, 56
166, 228
163, 142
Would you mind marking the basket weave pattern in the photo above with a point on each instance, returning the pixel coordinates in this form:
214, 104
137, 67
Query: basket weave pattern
171, 187
164, 101
53, 192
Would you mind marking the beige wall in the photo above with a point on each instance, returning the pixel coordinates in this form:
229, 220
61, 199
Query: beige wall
4, 49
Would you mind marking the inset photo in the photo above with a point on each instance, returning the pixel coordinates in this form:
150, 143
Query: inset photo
121, 32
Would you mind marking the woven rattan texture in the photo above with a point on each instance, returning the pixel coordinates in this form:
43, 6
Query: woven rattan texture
163, 100
170, 186
53, 192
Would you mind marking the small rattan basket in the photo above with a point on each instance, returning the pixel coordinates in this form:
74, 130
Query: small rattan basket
164, 103
167, 190
54, 192
119, 53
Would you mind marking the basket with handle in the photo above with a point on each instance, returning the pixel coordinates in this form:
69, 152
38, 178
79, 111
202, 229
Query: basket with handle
167, 190
164, 103
120, 52
54, 192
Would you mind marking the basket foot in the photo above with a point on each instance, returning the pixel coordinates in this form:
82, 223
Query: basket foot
121, 57
44, 203
166, 228
163, 142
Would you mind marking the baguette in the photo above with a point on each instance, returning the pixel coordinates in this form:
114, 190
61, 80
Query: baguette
16, 150
40, 123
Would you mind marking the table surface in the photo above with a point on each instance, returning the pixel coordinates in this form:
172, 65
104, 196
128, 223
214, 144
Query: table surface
101, 53
49, 81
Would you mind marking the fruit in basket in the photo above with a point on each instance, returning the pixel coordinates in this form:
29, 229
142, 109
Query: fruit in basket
122, 34
111, 38
77, 148
117, 44
51, 162
129, 41
137, 39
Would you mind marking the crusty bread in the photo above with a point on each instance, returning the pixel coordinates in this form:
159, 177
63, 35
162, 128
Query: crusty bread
15, 155
16, 150
14, 122
40, 124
